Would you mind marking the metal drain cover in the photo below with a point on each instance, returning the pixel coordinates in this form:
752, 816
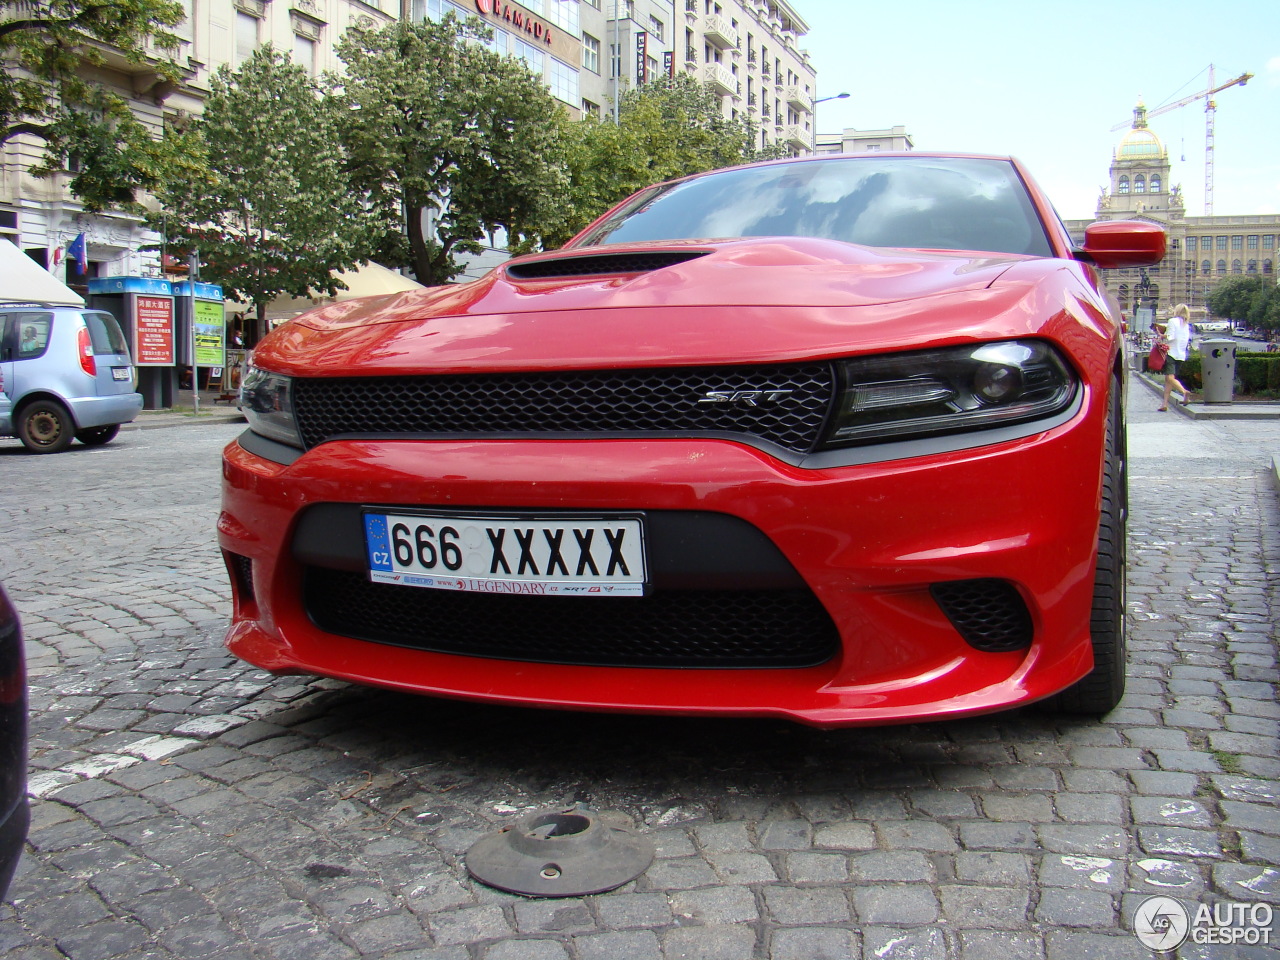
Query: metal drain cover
561, 853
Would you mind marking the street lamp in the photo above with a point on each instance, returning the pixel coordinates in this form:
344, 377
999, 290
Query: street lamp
835, 96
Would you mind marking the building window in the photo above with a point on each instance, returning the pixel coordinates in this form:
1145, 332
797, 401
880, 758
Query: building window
1237, 266
1190, 267
1124, 185
615, 62
1139, 184
1222, 243
1253, 243
533, 56
563, 81
1252, 267
246, 36
590, 53
1155, 183
1266, 266
1237, 243
591, 109
1222, 268
304, 53
1206, 267
1191, 244
1268, 243
656, 27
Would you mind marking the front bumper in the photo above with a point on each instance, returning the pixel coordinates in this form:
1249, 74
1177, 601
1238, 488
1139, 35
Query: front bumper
867, 541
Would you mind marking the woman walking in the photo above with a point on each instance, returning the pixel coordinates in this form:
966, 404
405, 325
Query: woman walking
1176, 335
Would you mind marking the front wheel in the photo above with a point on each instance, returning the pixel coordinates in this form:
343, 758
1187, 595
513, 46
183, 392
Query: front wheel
1100, 690
45, 426
97, 436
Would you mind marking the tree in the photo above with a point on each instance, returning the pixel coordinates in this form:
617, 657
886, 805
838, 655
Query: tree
46, 46
1233, 297
450, 141
668, 128
268, 209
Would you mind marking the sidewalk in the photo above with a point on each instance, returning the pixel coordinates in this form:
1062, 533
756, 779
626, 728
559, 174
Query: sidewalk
1242, 410
210, 412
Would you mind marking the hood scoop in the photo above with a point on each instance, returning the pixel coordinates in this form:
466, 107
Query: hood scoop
601, 264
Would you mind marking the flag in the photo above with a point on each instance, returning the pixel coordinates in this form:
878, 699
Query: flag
77, 253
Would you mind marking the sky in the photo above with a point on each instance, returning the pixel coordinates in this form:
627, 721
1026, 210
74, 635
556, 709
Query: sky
1045, 82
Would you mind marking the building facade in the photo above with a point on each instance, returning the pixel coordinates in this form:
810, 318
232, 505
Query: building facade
1202, 251
586, 51
890, 140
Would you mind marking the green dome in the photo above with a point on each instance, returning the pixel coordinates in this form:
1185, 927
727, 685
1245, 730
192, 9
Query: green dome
1140, 143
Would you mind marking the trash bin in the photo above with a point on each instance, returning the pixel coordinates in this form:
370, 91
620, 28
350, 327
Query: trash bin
1218, 369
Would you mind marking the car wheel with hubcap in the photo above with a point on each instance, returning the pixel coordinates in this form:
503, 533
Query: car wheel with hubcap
45, 426
97, 436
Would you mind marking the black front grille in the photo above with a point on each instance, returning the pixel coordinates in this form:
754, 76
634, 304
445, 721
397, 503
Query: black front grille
676, 628
989, 614
782, 404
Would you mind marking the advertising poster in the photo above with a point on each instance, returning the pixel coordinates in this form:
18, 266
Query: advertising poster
153, 331
210, 334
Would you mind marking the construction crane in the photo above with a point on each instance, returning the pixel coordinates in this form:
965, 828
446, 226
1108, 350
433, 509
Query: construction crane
1210, 108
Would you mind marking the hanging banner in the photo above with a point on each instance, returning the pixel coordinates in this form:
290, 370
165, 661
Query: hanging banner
642, 57
669, 63
153, 331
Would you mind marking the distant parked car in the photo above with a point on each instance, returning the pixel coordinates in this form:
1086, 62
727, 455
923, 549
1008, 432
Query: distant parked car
1213, 326
839, 439
66, 375
14, 812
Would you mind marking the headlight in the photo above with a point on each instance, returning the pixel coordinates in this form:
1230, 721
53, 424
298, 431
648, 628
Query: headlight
267, 402
907, 395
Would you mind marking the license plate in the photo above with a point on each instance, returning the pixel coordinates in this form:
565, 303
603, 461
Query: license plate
517, 554
121, 373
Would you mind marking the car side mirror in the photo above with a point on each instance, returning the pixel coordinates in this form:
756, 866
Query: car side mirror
1122, 243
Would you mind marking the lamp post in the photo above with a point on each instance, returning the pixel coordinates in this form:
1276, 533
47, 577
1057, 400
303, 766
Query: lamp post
834, 96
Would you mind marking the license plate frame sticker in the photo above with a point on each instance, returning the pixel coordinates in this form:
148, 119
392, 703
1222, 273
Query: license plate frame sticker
121, 373
587, 555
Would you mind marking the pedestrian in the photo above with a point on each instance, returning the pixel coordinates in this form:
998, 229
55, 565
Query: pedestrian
30, 342
1175, 333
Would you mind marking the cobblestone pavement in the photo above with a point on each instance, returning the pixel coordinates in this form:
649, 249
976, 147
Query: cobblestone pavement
187, 806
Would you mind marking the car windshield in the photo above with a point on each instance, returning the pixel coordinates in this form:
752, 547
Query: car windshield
938, 203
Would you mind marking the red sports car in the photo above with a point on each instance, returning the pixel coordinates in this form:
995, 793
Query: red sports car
834, 439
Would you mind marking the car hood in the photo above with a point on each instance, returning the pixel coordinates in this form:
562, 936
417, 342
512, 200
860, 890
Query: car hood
684, 302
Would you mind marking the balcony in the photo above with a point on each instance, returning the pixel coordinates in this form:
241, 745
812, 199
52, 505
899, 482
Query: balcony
721, 79
719, 31
796, 136
798, 100
691, 56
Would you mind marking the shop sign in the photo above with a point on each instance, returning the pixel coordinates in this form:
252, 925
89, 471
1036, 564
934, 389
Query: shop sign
153, 331
516, 18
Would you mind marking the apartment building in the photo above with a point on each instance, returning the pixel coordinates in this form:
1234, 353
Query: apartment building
586, 51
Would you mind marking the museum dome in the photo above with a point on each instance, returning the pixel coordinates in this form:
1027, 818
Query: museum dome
1140, 143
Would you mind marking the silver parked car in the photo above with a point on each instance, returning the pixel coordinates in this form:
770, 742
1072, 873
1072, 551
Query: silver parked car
66, 374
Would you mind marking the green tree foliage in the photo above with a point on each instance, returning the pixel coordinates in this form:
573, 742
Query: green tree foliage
50, 49
449, 141
267, 206
669, 128
1233, 297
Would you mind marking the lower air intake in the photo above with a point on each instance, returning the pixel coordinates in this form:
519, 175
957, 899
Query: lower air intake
676, 628
989, 614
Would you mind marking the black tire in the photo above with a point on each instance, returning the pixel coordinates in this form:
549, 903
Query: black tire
97, 436
45, 426
1100, 690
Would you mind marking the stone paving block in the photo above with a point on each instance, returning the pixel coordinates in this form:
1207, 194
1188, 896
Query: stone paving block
902, 943
999, 945
814, 943
916, 836
1003, 869
526, 950
709, 943
717, 905
817, 867
900, 904
986, 907
1066, 907
790, 906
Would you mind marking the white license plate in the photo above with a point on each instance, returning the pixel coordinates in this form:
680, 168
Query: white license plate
121, 373
533, 554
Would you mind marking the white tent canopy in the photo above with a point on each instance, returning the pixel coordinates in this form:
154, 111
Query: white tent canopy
367, 280
22, 279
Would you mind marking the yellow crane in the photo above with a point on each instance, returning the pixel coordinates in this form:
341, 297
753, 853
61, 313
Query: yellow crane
1210, 108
